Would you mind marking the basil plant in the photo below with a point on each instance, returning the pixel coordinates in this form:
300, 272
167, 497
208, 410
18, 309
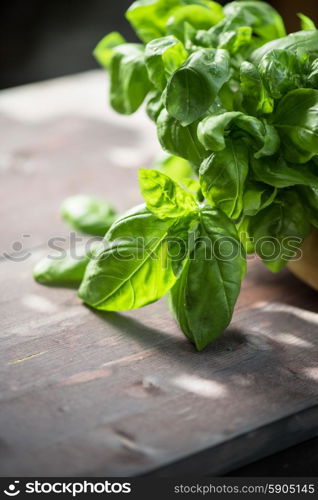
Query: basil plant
235, 103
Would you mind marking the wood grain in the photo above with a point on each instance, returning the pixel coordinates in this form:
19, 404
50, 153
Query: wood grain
90, 393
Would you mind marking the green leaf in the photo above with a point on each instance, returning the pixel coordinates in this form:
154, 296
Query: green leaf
262, 17
213, 130
154, 105
305, 22
193, 186
181, 241
279, 230
88, 214
296, 119
195, 86
134, 269
301, 41
309, 197
256, 99
218, 261
178, 169
265, 21
222, 178
198, 16
230, 97
104, 50
163, 196
281, 71
257, 196
236, 40
149, 17
312, 77
246, 239
269, 140
155, 18
277, 172
129, 83
63, 270
178, 140
163, 56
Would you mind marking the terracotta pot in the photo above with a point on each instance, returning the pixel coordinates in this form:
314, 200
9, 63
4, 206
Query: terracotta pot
306, 268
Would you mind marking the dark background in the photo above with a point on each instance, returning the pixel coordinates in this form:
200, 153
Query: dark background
46, 38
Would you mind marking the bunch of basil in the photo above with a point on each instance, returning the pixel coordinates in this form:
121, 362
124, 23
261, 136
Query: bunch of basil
235, 102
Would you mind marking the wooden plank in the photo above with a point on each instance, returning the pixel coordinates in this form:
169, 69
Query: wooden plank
89, 393
258, 443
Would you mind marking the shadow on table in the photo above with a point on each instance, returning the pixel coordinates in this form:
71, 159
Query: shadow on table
279, 338
295, 310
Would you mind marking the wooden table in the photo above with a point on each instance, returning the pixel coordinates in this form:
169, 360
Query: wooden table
87, 393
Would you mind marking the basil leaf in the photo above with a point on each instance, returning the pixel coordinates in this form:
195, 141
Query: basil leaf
243, 230
218, 261
181, 172
163, 196
257, 196
296, 119
104, 50
149, 17
129, 83
281, 71
178, 169
309, 197
279, 230
66, 270
301, 41
198, 16
134, 270
305, 22
270, 141
154, 105
236, 40
178, 140
256, 99
181, 241
194, 86
262, 17
277, 172
230, 97
88, 214
213, 130
222, 178
194, 187
265, 138
264, 21
163, 56
312, 77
